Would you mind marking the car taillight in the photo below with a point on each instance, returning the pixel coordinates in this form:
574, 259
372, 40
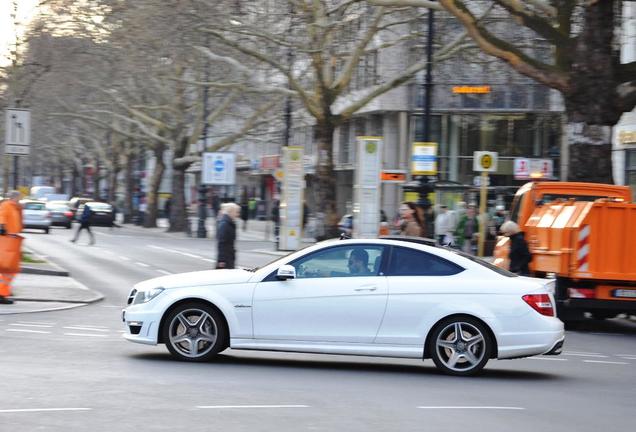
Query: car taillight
541, 303
68, 214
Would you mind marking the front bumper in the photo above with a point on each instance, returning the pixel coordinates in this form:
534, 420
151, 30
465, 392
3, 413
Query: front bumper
141, 326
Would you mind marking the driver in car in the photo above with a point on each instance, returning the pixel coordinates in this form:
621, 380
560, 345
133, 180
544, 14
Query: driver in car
359, 263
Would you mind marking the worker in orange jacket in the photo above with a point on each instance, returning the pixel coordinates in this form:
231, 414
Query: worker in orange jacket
10, 224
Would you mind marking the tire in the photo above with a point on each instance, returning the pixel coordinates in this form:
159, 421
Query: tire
182, 329
46, 230
462, 356
69, 226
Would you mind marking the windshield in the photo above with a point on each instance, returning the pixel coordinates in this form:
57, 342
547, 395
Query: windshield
481, 262
99, 206
34, 206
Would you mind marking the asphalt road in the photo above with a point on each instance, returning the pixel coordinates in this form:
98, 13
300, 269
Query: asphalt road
71, 370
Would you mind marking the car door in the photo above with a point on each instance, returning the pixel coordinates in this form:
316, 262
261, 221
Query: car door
325, 302
418, 283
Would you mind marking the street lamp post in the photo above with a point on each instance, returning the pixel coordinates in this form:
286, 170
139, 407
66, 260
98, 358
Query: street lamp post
203, 189
427, 87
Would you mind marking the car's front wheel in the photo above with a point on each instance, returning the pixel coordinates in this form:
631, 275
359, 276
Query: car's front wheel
195, 331
460, 346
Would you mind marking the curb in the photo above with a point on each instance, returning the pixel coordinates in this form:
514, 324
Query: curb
43, 271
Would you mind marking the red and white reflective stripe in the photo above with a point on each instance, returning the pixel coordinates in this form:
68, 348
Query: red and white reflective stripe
583, 248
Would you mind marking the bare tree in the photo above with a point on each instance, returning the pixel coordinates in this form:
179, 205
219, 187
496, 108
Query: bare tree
316, 49
583, 64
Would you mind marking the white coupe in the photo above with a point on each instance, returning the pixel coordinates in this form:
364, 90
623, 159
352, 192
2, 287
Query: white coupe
382, 297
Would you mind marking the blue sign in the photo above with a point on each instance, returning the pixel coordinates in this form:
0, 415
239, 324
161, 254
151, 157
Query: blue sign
219, 165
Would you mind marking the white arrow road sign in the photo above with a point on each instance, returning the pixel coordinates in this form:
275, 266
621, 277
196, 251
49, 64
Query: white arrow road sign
18, 127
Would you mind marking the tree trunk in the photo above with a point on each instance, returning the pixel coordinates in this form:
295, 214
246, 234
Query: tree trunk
325, 181
112, 183
178, 214
592, 100
153, 188
128, 198
590, 150
96, 191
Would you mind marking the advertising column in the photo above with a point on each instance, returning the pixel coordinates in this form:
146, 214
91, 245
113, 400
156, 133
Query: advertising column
366, 209
291, 205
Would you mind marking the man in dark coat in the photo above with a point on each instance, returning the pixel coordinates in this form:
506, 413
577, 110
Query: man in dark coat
226, 236
519, 255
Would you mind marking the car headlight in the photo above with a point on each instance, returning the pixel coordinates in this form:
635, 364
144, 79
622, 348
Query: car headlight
146, 295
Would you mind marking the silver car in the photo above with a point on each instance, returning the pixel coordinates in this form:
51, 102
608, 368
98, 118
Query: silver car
35, 215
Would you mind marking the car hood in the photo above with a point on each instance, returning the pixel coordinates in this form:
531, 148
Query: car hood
207, 277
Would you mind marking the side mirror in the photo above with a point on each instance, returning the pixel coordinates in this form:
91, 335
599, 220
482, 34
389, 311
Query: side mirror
286, 272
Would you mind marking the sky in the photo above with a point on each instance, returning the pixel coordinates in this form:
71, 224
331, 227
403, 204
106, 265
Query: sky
26, 11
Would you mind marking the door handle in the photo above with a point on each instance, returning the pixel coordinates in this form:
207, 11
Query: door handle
366, 288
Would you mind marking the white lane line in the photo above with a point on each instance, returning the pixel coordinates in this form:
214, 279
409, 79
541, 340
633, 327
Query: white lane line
37, 322
547, 358
32, 325
91, 326
208, 260
166, 272
176, 251
586, 355
27, 331
86, 328
472, 407
249, 406
85, 334
111, 306
30, 410
605, 362
140, 264
124, 258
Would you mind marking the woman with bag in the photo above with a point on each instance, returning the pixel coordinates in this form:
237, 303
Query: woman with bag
10, 243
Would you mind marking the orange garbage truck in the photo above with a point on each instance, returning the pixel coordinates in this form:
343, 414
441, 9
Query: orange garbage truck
584, 234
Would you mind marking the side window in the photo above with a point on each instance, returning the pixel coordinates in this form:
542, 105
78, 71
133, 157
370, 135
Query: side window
411, 262
342, 261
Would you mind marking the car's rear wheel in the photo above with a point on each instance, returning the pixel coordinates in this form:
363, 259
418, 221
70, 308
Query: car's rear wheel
460, 346
46, 230
195, 331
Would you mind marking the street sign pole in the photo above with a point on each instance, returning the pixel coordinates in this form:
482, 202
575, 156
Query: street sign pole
482, 213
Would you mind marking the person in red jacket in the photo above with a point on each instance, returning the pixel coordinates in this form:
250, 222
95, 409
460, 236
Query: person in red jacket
10, 224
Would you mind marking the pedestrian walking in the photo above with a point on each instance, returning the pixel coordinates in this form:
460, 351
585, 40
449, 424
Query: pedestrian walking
226, 236
444, 226
467, 230
85, 224
411, 224
10, 226
519, 255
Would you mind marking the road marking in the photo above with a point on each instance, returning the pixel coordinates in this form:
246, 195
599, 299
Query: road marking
28, 331
547, 358
166, 272
140, 264
605, 362
29, 410
111, 306
176, 251
250, 406
472, 407
37, 322
581, 352
85, 334
121, 257
208, 260
32, 325
586, 355
86, 328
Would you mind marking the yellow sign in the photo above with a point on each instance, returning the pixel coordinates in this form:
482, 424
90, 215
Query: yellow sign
279, 174
292, 233
485, 161
471, 89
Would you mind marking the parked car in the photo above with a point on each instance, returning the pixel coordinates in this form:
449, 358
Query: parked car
75, 202
61, 214
373, 297
102, 213
35, 215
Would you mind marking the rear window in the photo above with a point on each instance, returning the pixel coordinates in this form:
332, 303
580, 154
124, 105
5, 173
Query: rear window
100, 207
34, 206
486, 264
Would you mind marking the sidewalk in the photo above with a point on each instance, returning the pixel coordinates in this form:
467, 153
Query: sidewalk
43, 287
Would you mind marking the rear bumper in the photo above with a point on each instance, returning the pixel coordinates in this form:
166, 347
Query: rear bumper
37, 224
